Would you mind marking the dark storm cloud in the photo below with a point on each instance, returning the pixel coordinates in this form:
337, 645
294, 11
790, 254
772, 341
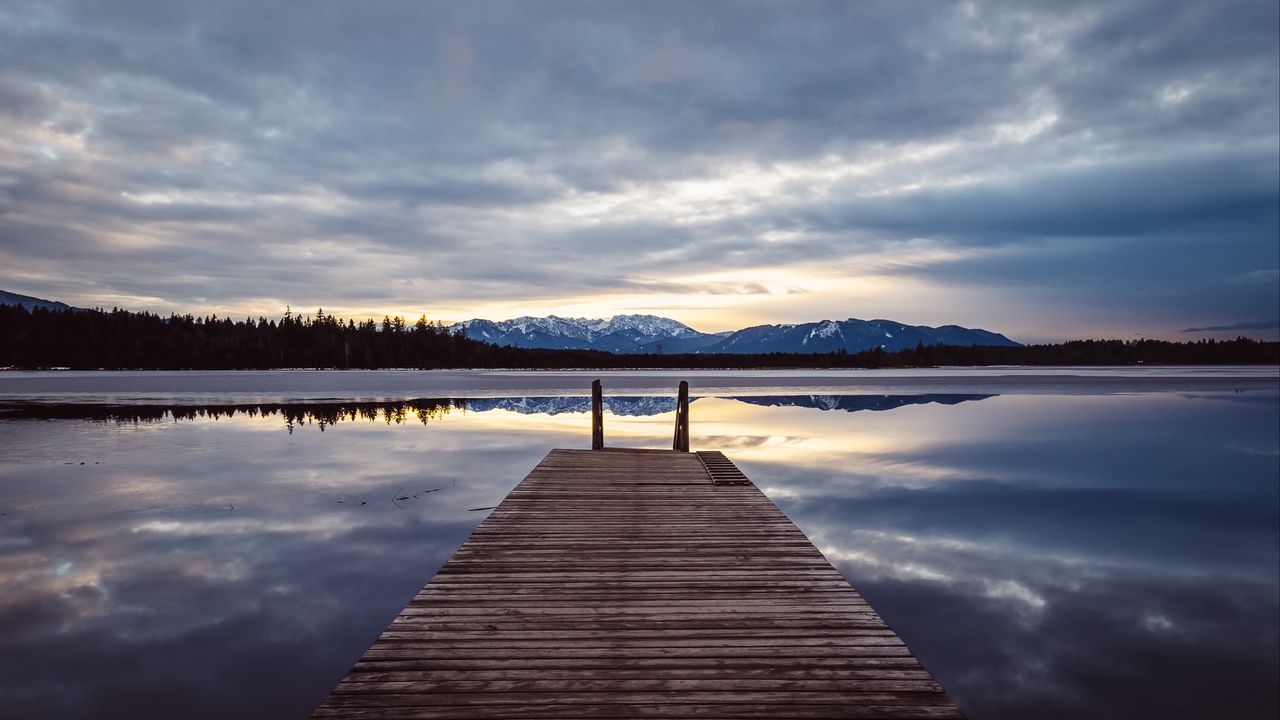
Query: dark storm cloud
1215, 193
442, 151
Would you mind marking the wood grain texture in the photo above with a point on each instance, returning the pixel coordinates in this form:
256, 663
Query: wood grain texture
626, 583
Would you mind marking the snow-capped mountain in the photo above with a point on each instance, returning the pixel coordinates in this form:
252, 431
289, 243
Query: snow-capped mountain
653, 334
619, 334
854, 336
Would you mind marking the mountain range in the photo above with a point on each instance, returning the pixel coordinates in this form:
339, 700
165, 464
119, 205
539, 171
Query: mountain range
618, 334
653, 334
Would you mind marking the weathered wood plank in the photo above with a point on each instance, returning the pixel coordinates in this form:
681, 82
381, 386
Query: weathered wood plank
633, 710
366, 674
729, 666
625, 583
366, 686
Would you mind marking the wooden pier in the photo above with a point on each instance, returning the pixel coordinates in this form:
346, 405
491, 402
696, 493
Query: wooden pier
637, 583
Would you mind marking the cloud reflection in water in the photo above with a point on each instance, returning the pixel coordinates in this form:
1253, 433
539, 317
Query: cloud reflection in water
1071, 557
1049, 556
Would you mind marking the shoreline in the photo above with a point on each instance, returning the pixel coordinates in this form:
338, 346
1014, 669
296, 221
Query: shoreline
377, 385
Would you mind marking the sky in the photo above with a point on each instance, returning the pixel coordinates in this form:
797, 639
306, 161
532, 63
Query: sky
1049, 171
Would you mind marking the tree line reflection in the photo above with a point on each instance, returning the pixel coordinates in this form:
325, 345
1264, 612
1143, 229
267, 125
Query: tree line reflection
426, 410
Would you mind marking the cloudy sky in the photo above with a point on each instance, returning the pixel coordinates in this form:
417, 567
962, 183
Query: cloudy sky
1049, 172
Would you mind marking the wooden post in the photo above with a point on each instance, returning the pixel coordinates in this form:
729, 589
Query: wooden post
681, 441
597, 416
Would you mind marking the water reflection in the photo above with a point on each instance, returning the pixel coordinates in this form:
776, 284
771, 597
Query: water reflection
322, 413
222, 568
1045, 556
1096, 557
855, 403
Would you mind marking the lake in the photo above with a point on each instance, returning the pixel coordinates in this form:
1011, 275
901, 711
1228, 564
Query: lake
1049, 542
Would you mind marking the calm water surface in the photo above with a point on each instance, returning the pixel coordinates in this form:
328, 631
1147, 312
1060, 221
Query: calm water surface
1109, 555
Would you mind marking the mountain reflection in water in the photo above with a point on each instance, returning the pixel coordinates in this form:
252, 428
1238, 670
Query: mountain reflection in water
424, 410
1105, 556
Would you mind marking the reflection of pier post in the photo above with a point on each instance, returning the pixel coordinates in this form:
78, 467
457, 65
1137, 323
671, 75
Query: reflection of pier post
597, 416
681, 441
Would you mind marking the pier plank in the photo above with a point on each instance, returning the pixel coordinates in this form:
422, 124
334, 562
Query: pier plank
633, 583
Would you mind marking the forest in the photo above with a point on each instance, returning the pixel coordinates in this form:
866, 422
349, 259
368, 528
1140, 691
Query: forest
124, 340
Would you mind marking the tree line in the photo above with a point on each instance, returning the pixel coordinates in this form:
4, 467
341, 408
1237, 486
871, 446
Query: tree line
120, 339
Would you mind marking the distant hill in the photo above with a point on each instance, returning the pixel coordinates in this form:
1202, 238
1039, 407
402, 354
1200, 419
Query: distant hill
653, 334
30, 303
